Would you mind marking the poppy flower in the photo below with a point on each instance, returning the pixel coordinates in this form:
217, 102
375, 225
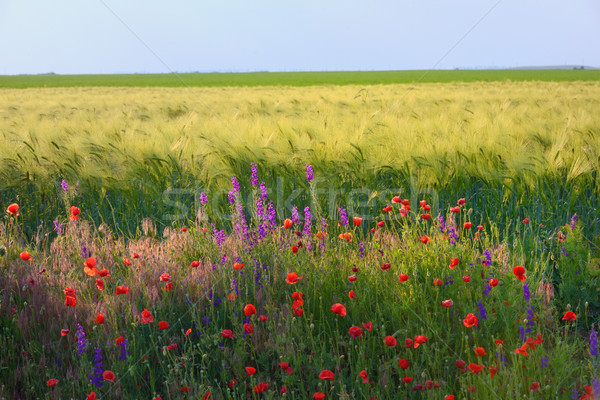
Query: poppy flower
339, 309
13, 210
103, 272
437, 282
127, 262
226, 333
119, 340
327, 375
493, 370
422, 203
522, 350
319, 396
185, 389
460, 364
70, 301
109, 375
420, 340
344, 236
206, 396
351, 294
470, 320
91, 396
262, 318
390, 341
238, 265
449, 397
368, 326
249, 310
499, 342
493, 282
162, 325
427, 207
90, 266
74, 213
455, 210
195, 264
519, 272
424, 239
385, 267
467, 225
396, 199
283, 389
479, 227
122, 290
569, 316
298, 312
466, 278
461, 201
99, 319
184, 229
169, 286
287, 224
294, 249
387, 208
147, 317
357, 221
136, 255
475, 368
165, 277
292, 278
52, 382
100, 284
426, 217
381, 223
364, 376
447, 303
403, 363
355, 331
25, 256
352, 278
187, 333
408, 343
453, 263
480, 351
64, 332
526, 221
250, 371
248, 328
403, 277
407, 379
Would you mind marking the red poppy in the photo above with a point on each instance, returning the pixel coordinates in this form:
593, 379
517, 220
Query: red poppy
526, 221
403, 277
569, 316
162, 325
70, 301
519, 272
206, 396
91, 396
185, 389
535, 386
52, 382
427, 207
126, 261
13, 209
294, 249
90, 267
461, 201
119, 340
470, 320
100, 284
232, 296
147, 317
420, 340
447, 303
249, 310
499, 342
165, 277
103, 272
25, 256
424, 239
466, 278
292, 278
455, 209
467, 225
248, 328
475, 368
287, 224
238, 265
327, 375
99, 319
283, 389
122, 290
460, 364
195, 264
74, 213
493, 282
109, 375
368, 326
390, 341
480, 351
387, 208
403, 363
319, 396
357, 221
352, 278
407, 379
493, 370
422, 203
355, 331
385, 267
262, 318
479, 227
437, 282
426, 217
363, 374
449, 397
136, 255
408, 343
187, 333
381, 223
522, 350
298, 312
64, 332
226, 333
169, 286
184, 229
453, 263
339, 309
351, 294
250, 371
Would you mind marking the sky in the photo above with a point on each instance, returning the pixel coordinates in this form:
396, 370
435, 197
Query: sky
130, 36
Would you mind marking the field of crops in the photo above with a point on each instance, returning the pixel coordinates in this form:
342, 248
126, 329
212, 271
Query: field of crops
430, 240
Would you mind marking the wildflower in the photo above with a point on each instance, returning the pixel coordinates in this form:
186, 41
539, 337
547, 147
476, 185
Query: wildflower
109, 375
81, 342
250, 371
52, 382
493, 370
13, 210
343, 216
482, 310
292, 278
480, 351
355, 332
103, 273
99, 319
90, 267
470, 320
357, 221
124, 351
447, 303
327, 375
455, 209
522, 350
309, 172
147, 317
424, 239
25, 256
64, 332
569, 316
320, 395
249, 310
437, 282
420, 340
390, 341
403, 363
466, 278
100, 284
287, 224
544, 362
122, 290
467, 225
526, 293
453, 263
519, 272
403, 277
408, 343
493, 282
162, 325
74, 213
475, 368
97, 378
91, 396
58, 227
407, 379
526, 221
426, 217
368, 326
339, 309
593, 342
226, 333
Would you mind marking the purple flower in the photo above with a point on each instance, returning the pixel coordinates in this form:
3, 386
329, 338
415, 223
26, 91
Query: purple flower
307, 221
482, 310
231, 196
295, 215
254, 178
203, 198
96, 378
574, 220
596, 385
449, 281
235, 184
206, 320
526, 293
58, 227
488, 257
442, 225
343, 216
594, 344
361, 247
544, 362
65, 186
81, 342
309, 172
453, 236
124, 351
522, 333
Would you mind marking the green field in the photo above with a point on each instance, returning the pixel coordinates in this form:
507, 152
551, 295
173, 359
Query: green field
297, 78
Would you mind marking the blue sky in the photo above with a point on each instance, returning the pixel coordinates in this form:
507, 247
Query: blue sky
122, 36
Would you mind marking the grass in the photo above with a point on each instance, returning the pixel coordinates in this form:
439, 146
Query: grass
254, 79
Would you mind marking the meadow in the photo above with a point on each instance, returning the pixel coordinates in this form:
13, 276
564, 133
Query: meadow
430, 240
